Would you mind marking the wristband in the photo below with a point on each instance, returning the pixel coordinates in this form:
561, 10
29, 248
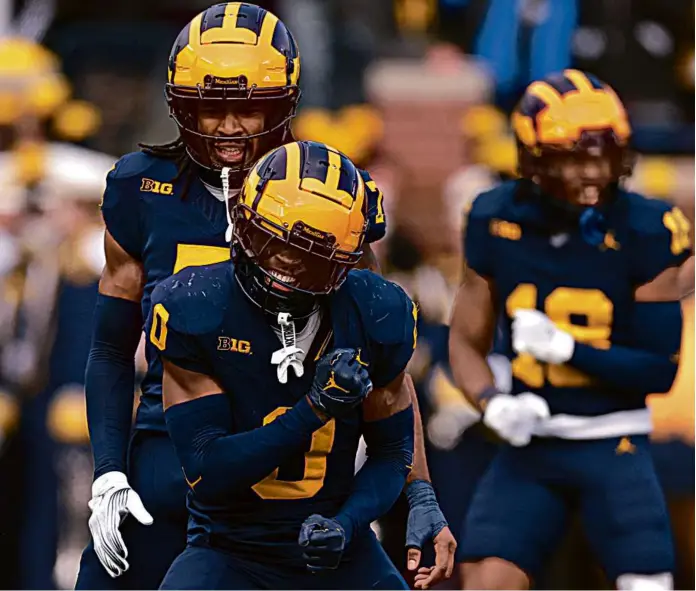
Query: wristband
484, 397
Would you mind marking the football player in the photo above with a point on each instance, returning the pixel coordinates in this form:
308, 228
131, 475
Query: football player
232, 89
585, 275
274, 365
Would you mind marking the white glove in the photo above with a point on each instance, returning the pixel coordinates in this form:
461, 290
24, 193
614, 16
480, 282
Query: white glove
533, 332
112, 500
447, 425
515, 418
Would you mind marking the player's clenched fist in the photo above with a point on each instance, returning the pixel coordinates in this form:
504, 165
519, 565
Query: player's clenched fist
323, 541
341, 382
515, 418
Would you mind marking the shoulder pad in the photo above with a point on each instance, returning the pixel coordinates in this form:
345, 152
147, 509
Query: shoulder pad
138, 163
489, 205
494, 202
645, 214
196, 298
385, 310
659, 236
374, 205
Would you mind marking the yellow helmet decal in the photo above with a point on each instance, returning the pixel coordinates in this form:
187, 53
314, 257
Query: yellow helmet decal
557, 110
310, 186
233, 40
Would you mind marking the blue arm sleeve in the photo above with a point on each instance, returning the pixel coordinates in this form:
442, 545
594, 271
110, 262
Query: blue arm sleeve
382, 478
218, 463
651, 365
109, 381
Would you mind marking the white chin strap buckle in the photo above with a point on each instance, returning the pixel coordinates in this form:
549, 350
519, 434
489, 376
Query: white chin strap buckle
286, 357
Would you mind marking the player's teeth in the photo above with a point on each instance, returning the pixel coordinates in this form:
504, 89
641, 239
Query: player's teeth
281, 277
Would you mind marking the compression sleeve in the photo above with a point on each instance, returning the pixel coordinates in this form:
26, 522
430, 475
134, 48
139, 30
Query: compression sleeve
651, 365
383, 475
218, 463
109, 381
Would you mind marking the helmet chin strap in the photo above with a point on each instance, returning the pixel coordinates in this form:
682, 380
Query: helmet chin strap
225, 178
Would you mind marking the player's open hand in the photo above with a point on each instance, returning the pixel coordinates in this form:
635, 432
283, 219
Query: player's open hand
426, 522
445, 547
323, 541
112, 501
341, 382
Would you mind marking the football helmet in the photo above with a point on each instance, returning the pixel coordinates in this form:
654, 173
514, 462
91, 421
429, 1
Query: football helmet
572, 136
236, 55
298, 227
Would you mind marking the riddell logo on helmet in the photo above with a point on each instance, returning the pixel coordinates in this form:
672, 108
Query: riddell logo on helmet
312, 232
216, 81
302, 228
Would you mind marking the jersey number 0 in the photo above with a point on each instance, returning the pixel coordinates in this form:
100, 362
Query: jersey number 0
271, 488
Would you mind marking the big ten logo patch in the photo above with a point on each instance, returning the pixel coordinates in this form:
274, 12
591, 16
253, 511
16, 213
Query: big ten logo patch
234, 345
505, 229
150, 186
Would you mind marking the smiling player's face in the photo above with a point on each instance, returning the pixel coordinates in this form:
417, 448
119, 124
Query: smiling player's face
294, 267
231, 120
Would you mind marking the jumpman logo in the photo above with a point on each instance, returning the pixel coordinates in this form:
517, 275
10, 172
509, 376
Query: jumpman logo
332, 384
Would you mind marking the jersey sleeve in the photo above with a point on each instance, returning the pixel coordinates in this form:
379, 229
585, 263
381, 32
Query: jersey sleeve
393, 352
477, 238
395, 356
165, 331
121, 210
661, 240
376, 218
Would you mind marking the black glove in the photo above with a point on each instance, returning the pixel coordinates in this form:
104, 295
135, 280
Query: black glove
323, 541
341, 382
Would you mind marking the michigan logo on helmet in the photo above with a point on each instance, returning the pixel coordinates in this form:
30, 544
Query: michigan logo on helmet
300, 225
572, 131
234, 60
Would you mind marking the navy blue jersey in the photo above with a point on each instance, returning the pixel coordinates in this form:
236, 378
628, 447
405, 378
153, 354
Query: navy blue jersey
202, 321
586, 290
160, 222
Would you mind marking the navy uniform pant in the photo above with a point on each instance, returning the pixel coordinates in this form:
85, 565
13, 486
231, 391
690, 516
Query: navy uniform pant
520, 509
155, 474
203, 567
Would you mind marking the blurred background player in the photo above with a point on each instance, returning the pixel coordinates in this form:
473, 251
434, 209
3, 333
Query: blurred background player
587, 277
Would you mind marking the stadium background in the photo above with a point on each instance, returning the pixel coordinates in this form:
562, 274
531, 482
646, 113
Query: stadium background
417, 91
